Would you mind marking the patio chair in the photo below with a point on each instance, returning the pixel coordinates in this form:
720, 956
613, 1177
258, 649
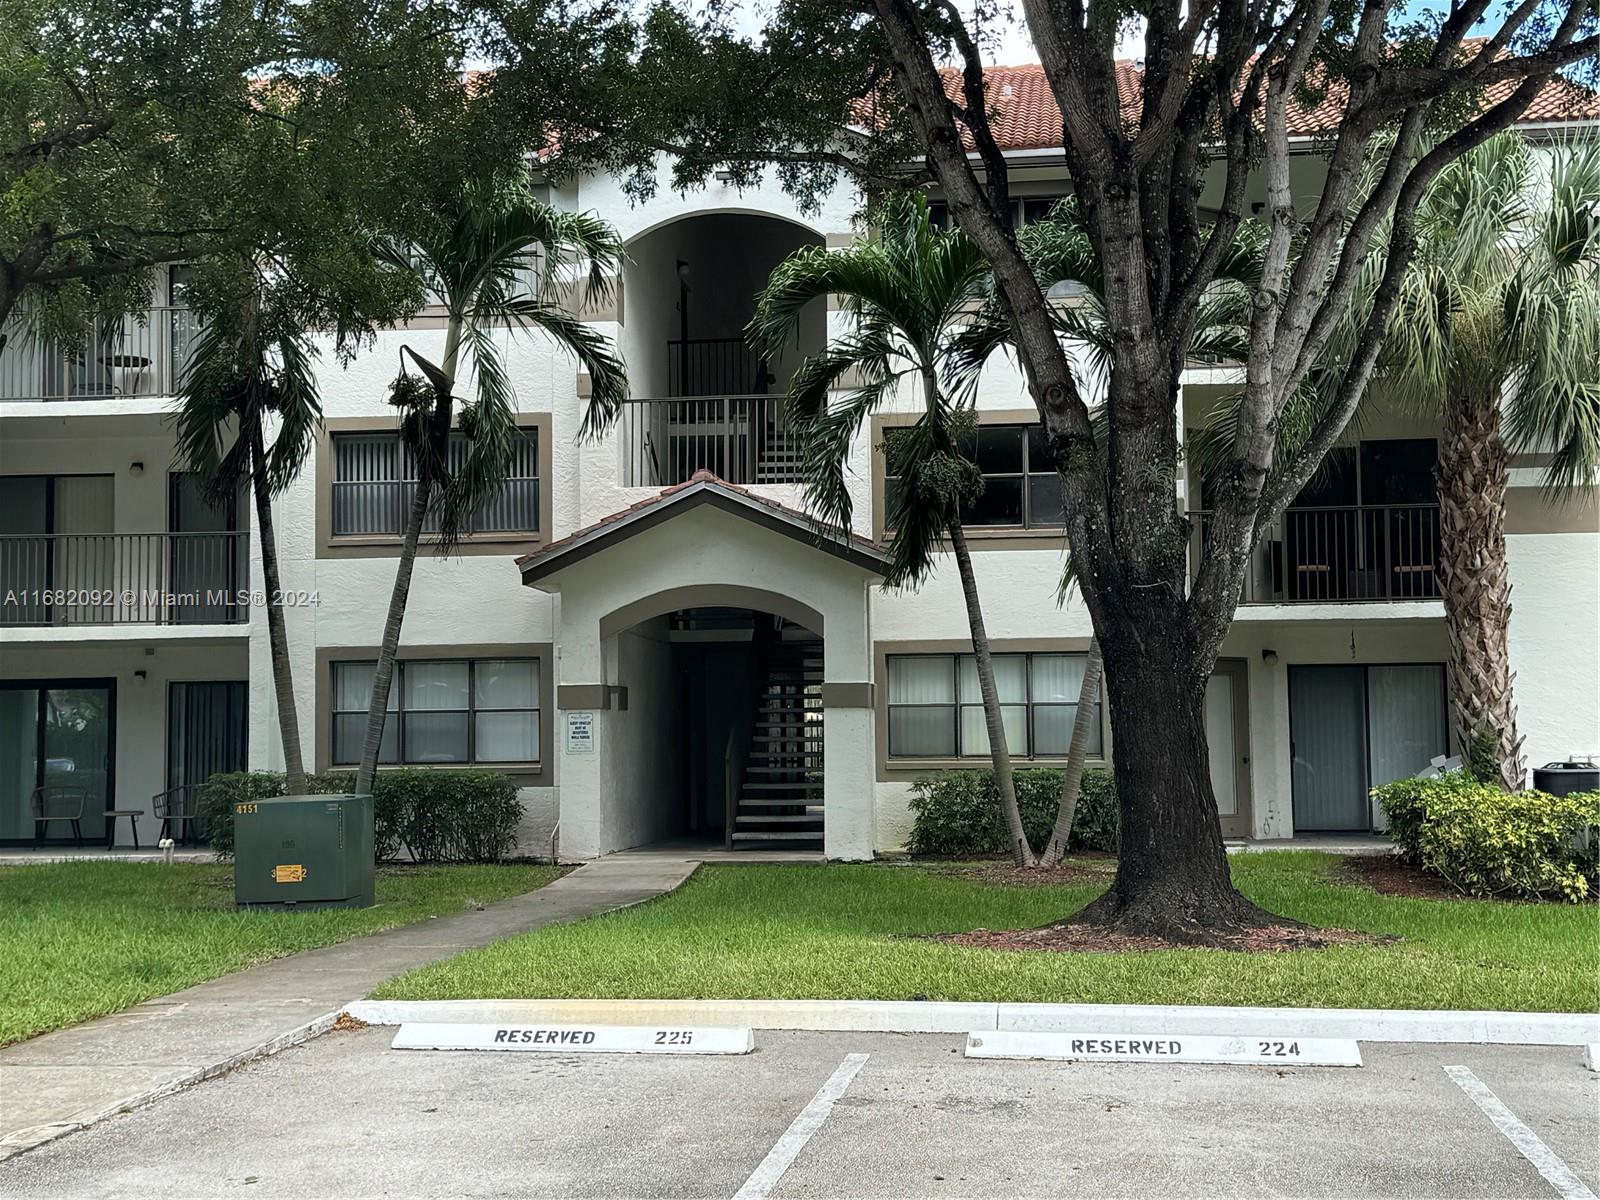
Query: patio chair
174, 808
58, 802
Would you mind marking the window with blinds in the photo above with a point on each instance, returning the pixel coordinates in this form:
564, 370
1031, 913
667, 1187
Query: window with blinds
936, 708
481, 710
375, 479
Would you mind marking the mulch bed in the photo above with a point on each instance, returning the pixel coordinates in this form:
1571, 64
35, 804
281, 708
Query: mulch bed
1087, 939
1388, 876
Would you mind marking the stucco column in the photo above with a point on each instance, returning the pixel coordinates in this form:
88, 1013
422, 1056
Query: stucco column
581, 689
849, 734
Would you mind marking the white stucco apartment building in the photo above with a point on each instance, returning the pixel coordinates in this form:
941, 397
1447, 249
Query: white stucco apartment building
648, 635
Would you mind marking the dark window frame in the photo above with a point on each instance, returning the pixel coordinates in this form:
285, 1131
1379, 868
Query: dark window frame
956, 706
1025, 477
398, 710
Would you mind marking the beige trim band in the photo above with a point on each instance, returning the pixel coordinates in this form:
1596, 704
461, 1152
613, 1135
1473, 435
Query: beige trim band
583, 696
1528, 510
847, 695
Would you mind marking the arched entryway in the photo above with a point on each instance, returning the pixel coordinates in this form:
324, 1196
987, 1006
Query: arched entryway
724, 725
714, 669
702, 397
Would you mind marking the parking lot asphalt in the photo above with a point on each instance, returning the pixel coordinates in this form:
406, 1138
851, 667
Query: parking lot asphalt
346, 1116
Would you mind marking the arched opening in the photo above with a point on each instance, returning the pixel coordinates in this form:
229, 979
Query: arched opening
702, 398
722, 729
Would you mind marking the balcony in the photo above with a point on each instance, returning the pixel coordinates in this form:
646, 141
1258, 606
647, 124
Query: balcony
741, 439
141, 355
78, 579
1366, 553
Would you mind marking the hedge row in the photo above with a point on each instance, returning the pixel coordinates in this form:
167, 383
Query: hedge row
1489, 842
958, 812
439, 816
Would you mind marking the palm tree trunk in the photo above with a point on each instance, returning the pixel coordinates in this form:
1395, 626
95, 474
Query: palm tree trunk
999, 754
1077, 754
1472, 477
277, 634
383, 671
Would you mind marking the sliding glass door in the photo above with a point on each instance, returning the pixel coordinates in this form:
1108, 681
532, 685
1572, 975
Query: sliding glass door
57, 740
206, 731
1355, 727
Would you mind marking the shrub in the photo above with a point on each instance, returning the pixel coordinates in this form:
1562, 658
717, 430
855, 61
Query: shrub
1489, 842
439, 816
958, 812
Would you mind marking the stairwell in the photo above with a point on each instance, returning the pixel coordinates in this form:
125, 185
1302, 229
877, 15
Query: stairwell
780, 796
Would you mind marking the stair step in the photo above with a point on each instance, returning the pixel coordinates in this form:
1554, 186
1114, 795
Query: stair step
801, 769
789, 786
775, 835
798, 817
792, 802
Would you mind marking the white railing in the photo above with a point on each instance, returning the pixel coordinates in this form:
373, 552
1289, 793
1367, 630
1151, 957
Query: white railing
143, 354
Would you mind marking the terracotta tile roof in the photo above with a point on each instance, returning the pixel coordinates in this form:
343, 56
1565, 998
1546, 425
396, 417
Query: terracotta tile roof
701, 477
1025, 116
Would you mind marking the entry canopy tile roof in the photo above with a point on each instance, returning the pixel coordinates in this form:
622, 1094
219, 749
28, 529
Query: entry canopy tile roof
1024, 115
702, 488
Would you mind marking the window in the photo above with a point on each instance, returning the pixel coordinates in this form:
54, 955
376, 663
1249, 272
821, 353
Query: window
483, 710
374, 478
1025, 210
936, 708
1021, 489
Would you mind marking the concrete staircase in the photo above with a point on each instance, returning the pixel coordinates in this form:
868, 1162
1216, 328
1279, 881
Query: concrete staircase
780, 799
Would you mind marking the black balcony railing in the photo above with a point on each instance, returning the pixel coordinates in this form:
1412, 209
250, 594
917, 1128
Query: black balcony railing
141, 355
1328, 555
124, 579
715, 367
740, 439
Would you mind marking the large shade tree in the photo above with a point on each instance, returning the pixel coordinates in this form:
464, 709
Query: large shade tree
497, 258
1222, 83
134, 135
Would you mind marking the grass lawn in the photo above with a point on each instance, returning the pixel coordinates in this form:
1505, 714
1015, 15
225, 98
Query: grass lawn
839, 932
85, 939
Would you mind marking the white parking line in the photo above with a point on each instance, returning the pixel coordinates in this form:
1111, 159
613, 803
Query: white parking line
787, 1148
1526, 1141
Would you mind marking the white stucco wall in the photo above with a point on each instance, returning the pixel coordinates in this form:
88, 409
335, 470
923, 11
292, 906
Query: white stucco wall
1555, 643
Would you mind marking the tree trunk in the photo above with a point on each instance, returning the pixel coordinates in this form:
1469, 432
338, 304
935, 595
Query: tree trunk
999, 754
383, 670
277, 633
1077, 753
1172, 876
1472, 477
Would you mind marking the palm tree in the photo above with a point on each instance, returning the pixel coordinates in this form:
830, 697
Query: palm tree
494, 255
251, 368
1498, 334
908, 291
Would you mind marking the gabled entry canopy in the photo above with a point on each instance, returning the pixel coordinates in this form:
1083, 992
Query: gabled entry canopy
702, 490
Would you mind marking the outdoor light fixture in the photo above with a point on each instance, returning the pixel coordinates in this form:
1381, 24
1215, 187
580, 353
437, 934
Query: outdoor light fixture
136, 468
1269, 656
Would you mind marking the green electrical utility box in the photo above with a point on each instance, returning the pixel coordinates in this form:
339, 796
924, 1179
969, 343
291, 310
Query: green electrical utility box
303, 852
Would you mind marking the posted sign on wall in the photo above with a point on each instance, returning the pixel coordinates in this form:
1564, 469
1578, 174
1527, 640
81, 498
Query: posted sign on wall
580, 733
574, 1039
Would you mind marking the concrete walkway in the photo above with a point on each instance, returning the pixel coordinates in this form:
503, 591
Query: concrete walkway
62, 1081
